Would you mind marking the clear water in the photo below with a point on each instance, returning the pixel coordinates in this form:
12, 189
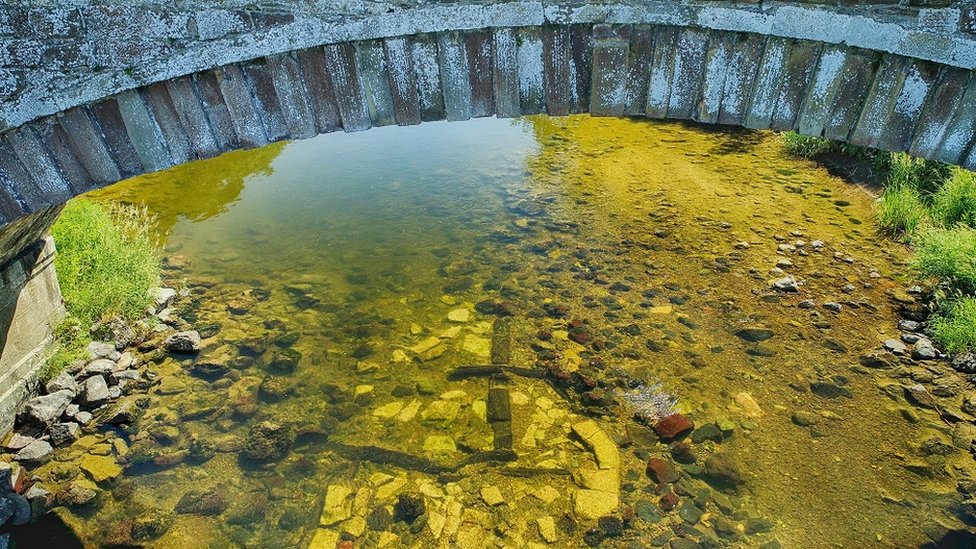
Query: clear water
367, 253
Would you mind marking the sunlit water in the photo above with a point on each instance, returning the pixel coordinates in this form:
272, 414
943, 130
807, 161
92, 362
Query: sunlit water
367, 254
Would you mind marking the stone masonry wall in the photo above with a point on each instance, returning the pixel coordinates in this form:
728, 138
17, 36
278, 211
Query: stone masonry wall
667, 69
57, 54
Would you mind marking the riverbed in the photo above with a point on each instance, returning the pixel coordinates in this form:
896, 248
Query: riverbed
605, 273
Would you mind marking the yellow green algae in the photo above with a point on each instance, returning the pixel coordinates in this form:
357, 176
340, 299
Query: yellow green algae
384, 258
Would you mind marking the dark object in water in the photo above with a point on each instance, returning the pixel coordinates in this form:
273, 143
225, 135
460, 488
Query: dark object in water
404, 460
523, 472
501, 341
490, 370
409, 507
499, 413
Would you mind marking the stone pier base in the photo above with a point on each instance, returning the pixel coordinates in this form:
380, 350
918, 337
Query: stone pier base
30, 308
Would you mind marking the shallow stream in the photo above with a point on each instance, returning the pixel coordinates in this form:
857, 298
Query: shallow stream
343, 279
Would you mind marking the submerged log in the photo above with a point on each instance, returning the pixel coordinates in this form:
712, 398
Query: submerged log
403, 460
501, 341
493, 370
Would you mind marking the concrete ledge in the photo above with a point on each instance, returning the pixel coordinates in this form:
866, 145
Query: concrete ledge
30, 308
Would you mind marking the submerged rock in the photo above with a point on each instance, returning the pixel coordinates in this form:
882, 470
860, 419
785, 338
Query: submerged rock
409, 506
786, 284
268, 441
75, 494
284, 360
673, 426
183, 342
723, 473
754, 334
661, 472
212, 501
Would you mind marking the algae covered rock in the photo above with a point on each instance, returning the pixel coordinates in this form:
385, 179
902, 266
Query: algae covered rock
212, 501
268, 441
284, 361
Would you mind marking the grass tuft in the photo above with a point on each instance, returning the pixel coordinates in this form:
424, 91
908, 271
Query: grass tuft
107, 262
949, 256
901, 211
955, 202
954, 326
805, 146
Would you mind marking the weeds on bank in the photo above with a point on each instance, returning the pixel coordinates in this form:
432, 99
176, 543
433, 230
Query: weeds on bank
108, 260
900, 211
954, 326
932, 206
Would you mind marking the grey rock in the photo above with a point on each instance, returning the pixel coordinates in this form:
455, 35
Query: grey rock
965, 362
832, 306
36, 451
119, 378
183, 342
72, 410
97, 367
114, 392
909, 325
18, 507
39, 499
924, 350
18, 441
807, 304
46, 409
117, 332
84, 418
95, 392
917, 395
100, 349
910, 338
895, 347
62, 433
163, 297
62, 382
786, 284
125, 362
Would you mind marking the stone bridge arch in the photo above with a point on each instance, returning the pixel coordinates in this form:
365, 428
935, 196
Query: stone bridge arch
192, 83
97, 92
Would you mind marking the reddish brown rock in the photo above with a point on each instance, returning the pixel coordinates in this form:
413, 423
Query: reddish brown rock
673, 426
668, 501
660, 471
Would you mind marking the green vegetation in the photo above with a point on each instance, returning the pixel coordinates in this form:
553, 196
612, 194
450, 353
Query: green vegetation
949, 257
931, 206
805, 146
107, 263
954, 326
955, 202
901, 211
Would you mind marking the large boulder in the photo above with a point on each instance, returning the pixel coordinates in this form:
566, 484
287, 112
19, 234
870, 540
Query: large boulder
44, 410
62, 382
95, 392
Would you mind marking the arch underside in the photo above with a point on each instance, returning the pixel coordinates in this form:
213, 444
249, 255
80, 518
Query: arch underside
847, 94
